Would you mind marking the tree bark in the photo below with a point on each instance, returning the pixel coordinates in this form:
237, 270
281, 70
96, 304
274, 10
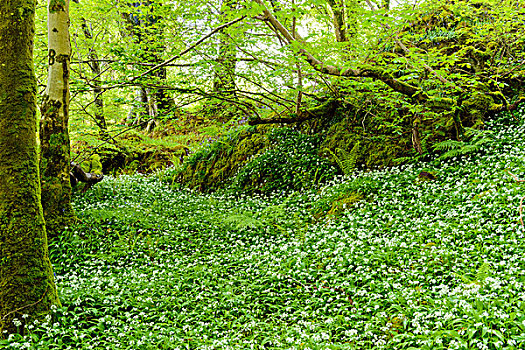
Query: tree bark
338, 11
27, 286
98, 101
163, 100
54, 134
224, 87
224, 80
149, 102
78, 174
139, 109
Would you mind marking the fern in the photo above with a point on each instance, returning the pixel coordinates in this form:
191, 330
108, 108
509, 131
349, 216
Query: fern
271, 216
451, 154
483, 272
453, 148
448, 145
243, 221
347, 161
409, 159
481, 275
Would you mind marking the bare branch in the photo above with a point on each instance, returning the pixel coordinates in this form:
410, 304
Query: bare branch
168, 61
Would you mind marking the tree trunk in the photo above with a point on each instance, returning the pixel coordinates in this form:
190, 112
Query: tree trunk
162, 99
54, 135
150, 103
224, 80
100, 120
416, 138
27, 286
338, 10
139, 109
224, 87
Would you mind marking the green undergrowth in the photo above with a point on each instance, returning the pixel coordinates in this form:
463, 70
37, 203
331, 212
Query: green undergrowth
130, 150
215, 164
349, 147
270, 158
260, 159
384, 259
290, 162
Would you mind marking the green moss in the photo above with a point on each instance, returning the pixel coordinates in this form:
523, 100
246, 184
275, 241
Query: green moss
96, 165
255, 159
290, 162
56, 187
442, 103
476, 106
57, 5
216, 165
26, 276
378, 150
92, 165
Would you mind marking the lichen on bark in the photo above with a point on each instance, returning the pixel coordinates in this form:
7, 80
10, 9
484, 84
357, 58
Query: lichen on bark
57, 5
54, 134
54, 165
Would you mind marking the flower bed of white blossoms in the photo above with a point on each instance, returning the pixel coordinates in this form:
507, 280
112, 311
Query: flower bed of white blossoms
415, 264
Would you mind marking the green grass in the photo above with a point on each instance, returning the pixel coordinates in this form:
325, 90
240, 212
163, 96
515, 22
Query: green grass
414, 265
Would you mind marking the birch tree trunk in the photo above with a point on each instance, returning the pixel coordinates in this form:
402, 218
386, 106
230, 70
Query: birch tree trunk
54, 135
27, 286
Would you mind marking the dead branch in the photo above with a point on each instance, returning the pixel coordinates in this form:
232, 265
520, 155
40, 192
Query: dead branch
77, 174
522, 198
514, 176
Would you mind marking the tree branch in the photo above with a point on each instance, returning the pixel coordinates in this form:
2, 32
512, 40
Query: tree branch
407, 51
301, 117
365, 71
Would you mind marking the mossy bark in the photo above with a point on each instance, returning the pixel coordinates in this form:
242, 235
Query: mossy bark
338, 17
26, 277
145, 29
54, 135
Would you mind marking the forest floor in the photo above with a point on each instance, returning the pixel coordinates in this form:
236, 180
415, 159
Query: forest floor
414, 264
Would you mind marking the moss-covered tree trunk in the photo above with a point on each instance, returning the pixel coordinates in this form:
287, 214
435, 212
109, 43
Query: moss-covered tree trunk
338, 17
26, 276
54, 135
224, 86
224, 79
143, 26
